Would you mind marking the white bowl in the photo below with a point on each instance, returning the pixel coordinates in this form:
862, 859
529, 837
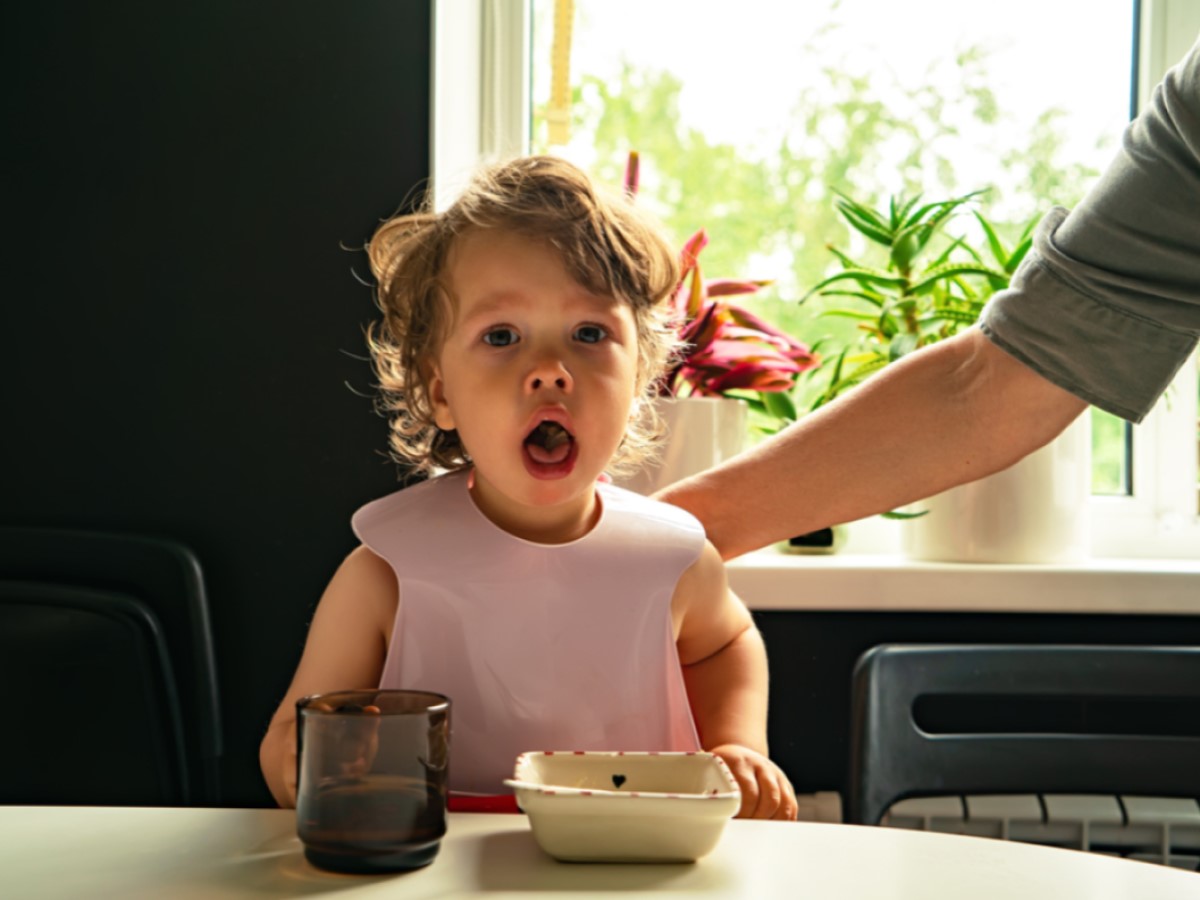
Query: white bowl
625, 806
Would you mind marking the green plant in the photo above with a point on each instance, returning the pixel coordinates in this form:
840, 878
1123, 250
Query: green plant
928, 287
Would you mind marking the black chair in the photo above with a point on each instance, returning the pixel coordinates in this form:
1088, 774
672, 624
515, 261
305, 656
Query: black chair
934, 720
161, 619
93, 710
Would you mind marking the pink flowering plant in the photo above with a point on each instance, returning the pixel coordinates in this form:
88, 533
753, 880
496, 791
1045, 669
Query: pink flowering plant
727, 350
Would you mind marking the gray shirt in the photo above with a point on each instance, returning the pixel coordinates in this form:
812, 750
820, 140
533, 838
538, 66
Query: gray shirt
1107, 303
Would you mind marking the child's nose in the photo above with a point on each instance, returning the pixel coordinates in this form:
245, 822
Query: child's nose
549, 372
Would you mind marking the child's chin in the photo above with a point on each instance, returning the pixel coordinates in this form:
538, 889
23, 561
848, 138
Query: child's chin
560, 488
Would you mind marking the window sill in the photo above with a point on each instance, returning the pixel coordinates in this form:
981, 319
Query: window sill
771, 580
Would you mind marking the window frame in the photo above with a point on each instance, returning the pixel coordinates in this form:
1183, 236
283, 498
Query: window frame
481, 111
480, 108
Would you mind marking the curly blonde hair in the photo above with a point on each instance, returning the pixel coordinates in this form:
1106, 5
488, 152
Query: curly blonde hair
607, 245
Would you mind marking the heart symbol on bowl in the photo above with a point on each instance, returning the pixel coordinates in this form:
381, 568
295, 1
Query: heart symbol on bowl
618, 780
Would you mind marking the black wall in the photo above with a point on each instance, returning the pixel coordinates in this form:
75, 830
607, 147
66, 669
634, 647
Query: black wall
180, 320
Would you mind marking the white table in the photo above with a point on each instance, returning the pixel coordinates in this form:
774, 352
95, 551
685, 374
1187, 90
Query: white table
130, 853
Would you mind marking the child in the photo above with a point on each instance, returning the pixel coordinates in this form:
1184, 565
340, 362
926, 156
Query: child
522, 333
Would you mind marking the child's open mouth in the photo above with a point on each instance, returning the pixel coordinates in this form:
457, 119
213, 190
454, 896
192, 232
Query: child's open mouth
549, 450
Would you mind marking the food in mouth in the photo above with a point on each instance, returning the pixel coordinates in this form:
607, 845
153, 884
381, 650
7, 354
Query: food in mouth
549, 443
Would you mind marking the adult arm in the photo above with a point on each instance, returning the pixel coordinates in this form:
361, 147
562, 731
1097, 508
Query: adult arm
949, 413
345, 650
1107, 305
1104, 309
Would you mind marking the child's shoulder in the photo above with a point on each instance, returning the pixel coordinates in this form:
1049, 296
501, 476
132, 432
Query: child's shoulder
626, 501
414, 499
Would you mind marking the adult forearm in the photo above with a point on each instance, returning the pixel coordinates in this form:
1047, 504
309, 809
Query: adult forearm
948, 414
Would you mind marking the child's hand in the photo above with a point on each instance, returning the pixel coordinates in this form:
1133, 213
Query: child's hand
766, 791
289, 764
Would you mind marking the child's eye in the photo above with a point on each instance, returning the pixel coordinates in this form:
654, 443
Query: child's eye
500, 337
590, 334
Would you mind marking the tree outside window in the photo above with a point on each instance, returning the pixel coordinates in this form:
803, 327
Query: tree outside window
750, 121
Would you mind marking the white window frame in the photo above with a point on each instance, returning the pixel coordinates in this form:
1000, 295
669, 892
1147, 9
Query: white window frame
481, 111
1160, 518
481, 108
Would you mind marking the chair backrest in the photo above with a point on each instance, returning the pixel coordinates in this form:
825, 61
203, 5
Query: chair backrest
163, 576
91, 707
930, 720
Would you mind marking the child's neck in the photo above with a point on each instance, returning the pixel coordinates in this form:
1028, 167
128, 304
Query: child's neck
557, 524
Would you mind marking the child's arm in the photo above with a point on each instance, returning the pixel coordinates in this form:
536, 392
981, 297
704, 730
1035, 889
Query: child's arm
346, 646
725, 670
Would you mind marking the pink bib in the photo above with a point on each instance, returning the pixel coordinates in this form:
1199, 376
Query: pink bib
539, 647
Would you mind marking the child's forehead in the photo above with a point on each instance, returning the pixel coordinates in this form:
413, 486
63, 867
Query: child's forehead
497, 266
474, 243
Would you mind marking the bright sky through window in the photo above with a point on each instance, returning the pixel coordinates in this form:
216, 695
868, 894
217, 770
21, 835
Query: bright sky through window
741, 66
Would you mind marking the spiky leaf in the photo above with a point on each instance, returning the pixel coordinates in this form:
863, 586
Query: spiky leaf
896, 514
930, 277
999, 251
1018, 255
780, 405
865, 221
855, 314
862, 276
872, 297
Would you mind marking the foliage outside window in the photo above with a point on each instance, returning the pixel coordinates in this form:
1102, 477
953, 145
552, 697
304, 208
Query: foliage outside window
847, 123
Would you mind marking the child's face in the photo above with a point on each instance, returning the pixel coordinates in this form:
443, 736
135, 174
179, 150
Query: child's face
530, 346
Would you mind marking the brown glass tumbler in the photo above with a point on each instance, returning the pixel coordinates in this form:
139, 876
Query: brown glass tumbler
371, 785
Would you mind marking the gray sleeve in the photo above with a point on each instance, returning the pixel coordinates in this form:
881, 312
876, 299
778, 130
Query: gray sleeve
1107, 303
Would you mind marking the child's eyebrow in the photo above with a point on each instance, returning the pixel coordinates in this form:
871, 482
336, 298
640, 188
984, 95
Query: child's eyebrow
504, 301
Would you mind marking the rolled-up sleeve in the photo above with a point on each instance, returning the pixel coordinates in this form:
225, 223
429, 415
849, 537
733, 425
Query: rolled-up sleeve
1107, 303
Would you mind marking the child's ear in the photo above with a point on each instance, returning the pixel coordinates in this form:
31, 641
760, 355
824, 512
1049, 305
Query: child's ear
437, 397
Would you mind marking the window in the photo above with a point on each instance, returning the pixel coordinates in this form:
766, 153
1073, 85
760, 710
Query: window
721, 96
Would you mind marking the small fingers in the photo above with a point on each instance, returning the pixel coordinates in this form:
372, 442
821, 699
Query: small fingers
770, 793
766, 791
747, 783
761, 794
774, 796
789, 808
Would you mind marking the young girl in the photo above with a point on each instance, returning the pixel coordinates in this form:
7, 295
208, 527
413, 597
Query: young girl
522, 333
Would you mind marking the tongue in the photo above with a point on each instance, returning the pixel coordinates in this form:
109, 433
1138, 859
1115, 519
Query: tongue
549, 443
540, 454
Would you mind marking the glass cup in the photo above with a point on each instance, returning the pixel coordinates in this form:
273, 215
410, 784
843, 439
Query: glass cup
371, 778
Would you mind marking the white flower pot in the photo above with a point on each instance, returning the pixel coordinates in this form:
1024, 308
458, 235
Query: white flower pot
701, 432
1035, 511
